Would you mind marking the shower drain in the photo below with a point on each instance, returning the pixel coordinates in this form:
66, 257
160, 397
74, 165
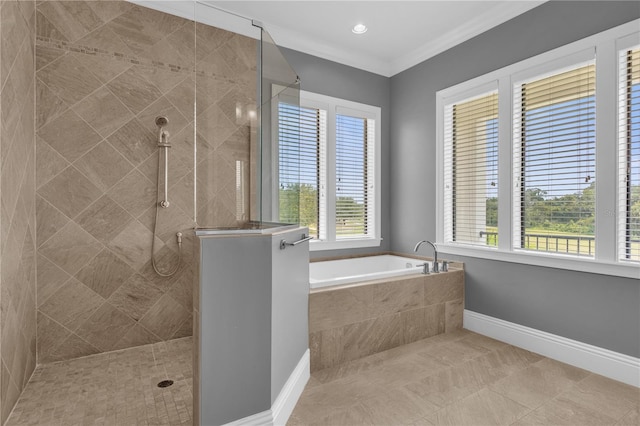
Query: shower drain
165, 383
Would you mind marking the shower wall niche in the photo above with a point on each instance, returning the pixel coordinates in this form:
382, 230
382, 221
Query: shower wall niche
104, 71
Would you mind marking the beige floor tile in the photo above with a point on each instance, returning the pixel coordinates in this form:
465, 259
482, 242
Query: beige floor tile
446, 386
606, 396
455, 352
483, 341
319, 401
397, 406
539, 383
347, 369
482, 408
561, 411
399, 371
632, 418
353, 415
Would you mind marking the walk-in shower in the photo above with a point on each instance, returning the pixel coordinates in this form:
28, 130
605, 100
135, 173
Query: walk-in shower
150, 122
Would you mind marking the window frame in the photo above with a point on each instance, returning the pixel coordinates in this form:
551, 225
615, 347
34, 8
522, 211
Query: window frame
605, 261
461, 97
623, 44
334, 106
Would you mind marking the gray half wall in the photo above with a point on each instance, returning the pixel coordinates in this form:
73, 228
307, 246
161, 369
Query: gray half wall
596, 309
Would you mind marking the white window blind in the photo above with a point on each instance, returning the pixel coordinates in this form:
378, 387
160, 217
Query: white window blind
302, 135
629, 154
471, 170
554, 162
355, 193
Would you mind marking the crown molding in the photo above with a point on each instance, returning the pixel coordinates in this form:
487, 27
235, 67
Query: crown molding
209, 14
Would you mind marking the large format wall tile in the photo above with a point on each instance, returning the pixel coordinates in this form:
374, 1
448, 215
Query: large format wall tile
105, 71
69, 135
72, 19
17, 200
359, 320
68, 79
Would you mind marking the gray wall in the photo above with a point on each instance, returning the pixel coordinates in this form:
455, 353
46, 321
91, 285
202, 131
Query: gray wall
332, 79
252, 300
235, 328
289, 307
595, 309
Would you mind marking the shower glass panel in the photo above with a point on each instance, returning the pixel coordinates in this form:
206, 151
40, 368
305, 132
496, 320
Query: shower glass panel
238, 72
226, 117
279, 114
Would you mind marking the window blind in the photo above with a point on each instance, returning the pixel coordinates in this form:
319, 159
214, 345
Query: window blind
629, 179
554, 162
471, 170
301, 132
355, 138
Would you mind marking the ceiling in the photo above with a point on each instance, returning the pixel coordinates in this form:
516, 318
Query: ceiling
400, 33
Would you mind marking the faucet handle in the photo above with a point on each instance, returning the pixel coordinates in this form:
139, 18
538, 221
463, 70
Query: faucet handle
425, 267
445, 266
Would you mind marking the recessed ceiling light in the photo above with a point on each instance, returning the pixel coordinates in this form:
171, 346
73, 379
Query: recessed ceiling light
359, 29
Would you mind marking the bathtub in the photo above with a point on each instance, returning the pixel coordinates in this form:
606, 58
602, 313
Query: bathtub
346, 271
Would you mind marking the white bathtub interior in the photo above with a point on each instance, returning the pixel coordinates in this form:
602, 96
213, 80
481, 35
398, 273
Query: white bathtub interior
346, 271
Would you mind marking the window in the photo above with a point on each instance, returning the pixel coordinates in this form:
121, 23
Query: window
519, 150
629, 183
355, 155
471, 170
329, 170
301, 136
554, 162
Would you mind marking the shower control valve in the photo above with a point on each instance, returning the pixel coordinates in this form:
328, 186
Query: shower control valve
164, 204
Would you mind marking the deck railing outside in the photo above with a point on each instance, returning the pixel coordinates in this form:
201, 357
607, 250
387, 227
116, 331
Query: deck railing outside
574, 244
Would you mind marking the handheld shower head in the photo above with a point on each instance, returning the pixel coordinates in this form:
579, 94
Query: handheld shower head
163, 135
161, 121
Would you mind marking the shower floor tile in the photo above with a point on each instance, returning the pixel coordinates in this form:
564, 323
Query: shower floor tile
114, 388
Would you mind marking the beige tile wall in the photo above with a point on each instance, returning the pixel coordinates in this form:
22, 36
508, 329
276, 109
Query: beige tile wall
105, 70
352, 322
17, 201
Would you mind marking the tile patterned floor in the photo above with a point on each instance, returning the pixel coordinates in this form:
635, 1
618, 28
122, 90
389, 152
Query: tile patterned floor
459, 378
463, 378
114, 388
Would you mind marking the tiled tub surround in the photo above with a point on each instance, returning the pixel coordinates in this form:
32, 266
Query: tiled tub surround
356, 320
17, 201
105, 70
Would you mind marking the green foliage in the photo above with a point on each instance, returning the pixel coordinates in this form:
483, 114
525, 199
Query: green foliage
351, 219
299, 204
492, 212
559, 213
635, 212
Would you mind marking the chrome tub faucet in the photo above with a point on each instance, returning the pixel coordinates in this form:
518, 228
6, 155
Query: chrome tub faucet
435, 253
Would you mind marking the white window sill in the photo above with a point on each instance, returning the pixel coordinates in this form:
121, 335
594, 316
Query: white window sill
558, 261
316, 245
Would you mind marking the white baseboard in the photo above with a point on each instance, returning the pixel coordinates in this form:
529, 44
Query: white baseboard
291, 391
263, 418
601, 361
286, 400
